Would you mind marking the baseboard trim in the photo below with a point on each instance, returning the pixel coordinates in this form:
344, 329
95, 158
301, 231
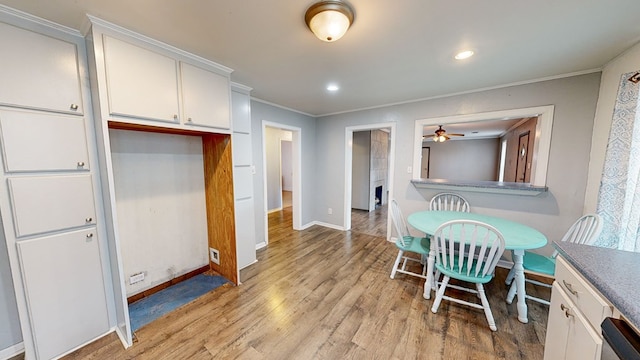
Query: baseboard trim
12, 351
327, 225
274, 210
261, 245
505, 264
166, 284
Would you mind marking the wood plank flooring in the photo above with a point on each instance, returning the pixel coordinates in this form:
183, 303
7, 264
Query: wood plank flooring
326, 294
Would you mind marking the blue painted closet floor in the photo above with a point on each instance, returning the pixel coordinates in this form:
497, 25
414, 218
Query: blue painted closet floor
152, 307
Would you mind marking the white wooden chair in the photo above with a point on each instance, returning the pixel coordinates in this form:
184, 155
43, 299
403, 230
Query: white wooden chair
469, 251
584, 231
449, 202
407, 243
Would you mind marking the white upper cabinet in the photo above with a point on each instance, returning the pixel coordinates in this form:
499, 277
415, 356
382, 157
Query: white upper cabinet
241, 112
61, 141
141, 83
38, 71
145, 82
205, 96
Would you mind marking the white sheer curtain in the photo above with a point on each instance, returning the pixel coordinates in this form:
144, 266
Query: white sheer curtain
619, 197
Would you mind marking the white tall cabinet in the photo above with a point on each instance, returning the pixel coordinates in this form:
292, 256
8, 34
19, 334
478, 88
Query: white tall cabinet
51, 201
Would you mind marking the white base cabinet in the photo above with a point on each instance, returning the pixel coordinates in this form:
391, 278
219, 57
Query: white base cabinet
575, 315
66, 292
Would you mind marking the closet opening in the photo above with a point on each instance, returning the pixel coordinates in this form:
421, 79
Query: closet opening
175, 206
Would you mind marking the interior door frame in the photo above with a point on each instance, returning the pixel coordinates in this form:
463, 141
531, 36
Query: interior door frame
348, 164
296, 162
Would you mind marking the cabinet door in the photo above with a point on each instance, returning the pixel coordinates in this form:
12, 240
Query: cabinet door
558, 324
48, 203
140, 83
65, 290
205, 96
36, 141
38, 71
245, 232
241, 112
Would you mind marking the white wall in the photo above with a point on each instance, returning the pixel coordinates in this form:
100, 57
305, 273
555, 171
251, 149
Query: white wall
552, 212
286, 148
264, 112
273, 138
361, 162
159, 186
470, 160
10, 332
627, 62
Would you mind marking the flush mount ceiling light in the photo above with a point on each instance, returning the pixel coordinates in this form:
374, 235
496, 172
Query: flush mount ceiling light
464, 55
329, 20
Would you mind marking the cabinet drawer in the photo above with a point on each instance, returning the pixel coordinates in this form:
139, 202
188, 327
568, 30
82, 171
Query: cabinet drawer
65, 290
48, 203
34, 141
594, 307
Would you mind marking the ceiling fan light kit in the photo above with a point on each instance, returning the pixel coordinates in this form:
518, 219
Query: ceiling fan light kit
442, 136
329, 20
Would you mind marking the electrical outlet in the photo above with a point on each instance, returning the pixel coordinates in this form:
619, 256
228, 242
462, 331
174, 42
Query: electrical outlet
136, 278
215, 255
330, 211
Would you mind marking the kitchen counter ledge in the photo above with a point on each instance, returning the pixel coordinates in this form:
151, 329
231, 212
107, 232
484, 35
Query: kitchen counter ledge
614, 273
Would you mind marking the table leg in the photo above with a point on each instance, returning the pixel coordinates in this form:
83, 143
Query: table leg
429, 284
520, 289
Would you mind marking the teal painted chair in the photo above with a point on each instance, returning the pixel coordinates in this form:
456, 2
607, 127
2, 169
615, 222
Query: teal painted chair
584, 231
407, 243
467, 250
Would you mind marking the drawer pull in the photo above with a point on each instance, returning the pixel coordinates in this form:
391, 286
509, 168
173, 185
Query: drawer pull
88, 219
567, 310
74, 107
569, 287
89, 235
175, 117
80, 163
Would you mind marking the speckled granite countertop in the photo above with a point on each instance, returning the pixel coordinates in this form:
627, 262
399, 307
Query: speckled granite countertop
615, 273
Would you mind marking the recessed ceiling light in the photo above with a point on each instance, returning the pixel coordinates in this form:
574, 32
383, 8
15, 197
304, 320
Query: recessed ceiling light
464, 55
333, 87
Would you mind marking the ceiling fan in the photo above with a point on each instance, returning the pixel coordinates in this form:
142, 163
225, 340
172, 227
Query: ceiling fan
442, 136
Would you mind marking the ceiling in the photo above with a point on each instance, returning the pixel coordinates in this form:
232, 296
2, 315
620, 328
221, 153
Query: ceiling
396, 51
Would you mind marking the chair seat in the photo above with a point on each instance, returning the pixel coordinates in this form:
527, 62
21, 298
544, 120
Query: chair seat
462, 275
415, 244
539, 263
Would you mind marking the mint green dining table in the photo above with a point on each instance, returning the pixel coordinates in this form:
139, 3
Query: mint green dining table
517, 238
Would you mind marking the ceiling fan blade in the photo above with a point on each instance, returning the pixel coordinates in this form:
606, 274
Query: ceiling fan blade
455, 134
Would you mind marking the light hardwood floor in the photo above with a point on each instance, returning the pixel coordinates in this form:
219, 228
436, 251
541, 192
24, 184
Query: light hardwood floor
326, 294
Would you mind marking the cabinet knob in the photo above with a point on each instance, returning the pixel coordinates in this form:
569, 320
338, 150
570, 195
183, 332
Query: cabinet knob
89, 235
566, 309
80, 163
175, 117
74, 107
88, 219
189, 119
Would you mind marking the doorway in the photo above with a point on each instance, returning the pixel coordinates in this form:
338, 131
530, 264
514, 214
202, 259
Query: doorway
282, 173
378, 175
